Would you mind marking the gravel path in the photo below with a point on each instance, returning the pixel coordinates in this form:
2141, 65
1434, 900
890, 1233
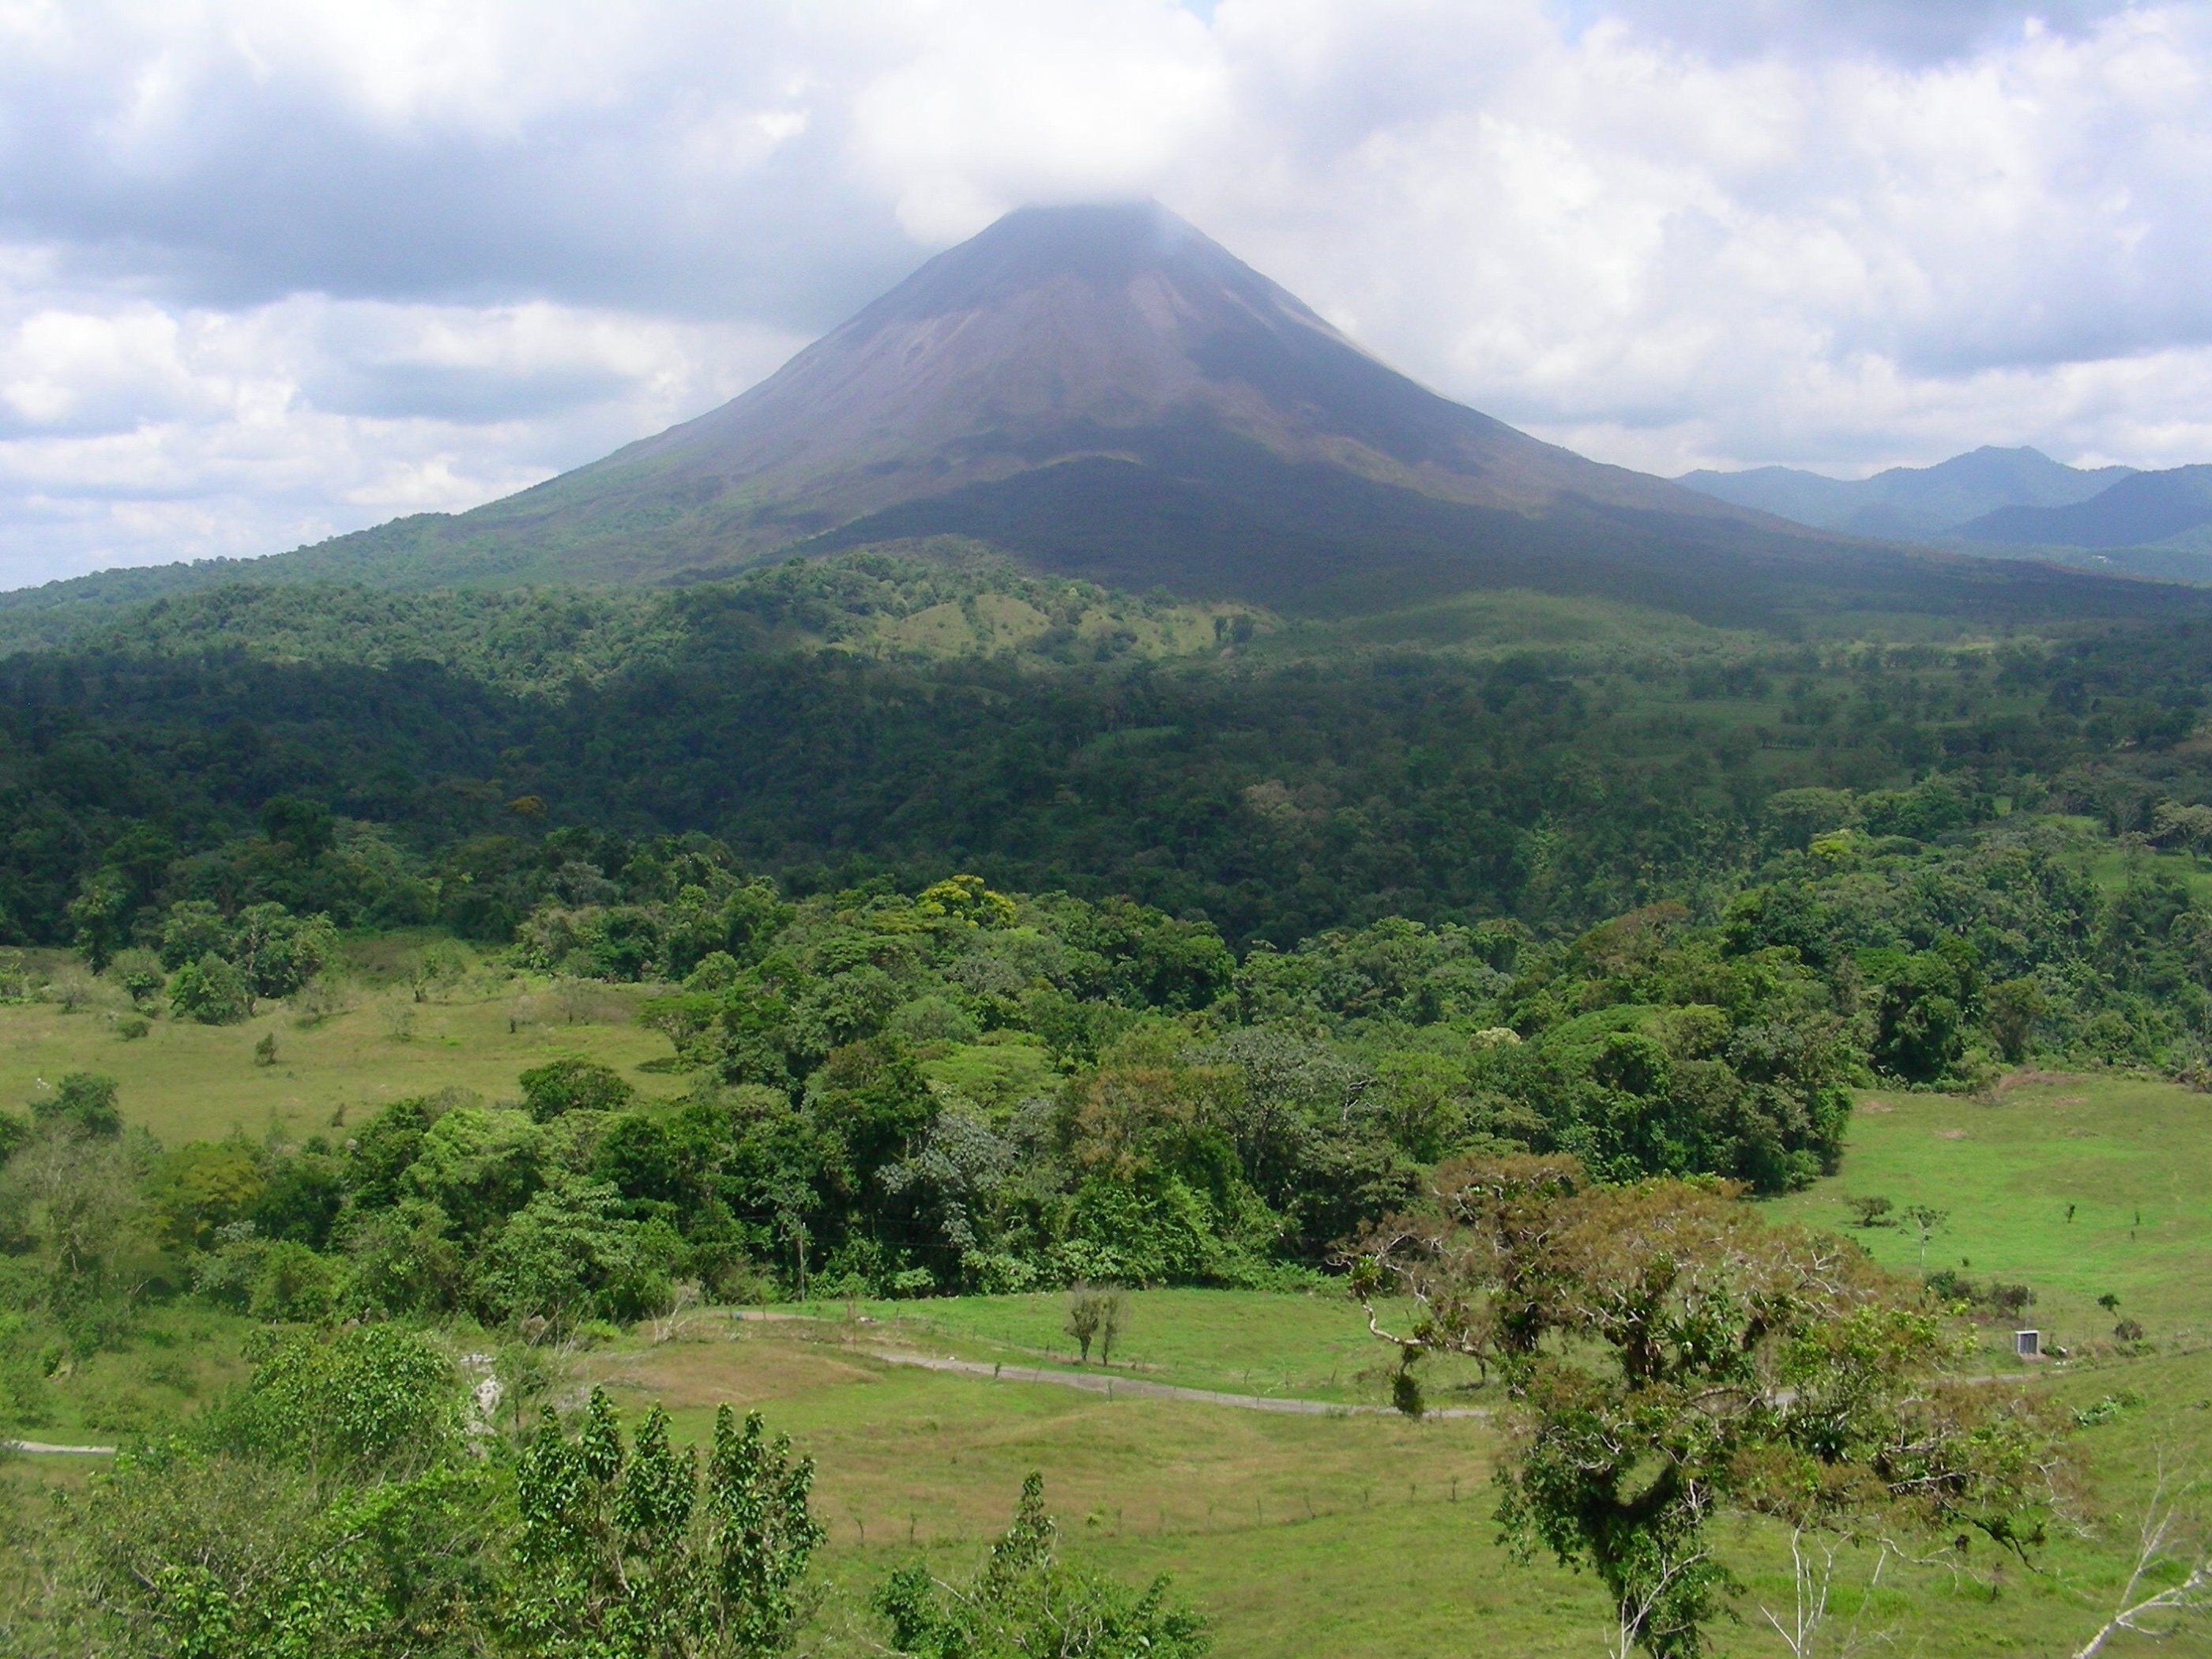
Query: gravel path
41, 1446
1127, 1387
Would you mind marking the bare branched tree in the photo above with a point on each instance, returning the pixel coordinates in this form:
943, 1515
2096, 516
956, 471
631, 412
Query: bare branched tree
2171, 1540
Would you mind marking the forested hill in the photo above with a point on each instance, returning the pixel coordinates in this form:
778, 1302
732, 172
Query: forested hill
841, 719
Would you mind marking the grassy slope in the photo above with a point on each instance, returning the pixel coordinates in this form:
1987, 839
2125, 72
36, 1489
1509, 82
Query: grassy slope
185, 1081
2007, 1171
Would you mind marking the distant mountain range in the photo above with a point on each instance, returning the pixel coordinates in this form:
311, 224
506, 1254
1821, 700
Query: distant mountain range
1908, 503
2155, 524
1103, 391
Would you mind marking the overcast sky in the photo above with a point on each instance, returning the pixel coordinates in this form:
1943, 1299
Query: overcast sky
272, 270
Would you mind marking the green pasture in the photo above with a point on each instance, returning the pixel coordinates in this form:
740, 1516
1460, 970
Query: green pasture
2130, 1159
1311, 1344
1350, 1535
377, 1043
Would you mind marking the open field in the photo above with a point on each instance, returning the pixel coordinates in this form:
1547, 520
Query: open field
185, 1081
1312, 1345
2076, 1185
1329, 1535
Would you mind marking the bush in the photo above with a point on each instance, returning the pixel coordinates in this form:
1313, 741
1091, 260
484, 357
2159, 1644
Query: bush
83, 1103
210, 991
372, 1400
293, 1283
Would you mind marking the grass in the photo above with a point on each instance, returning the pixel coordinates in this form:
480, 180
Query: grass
1353, 1536
2126, 1157
1313, 1345
185, 1081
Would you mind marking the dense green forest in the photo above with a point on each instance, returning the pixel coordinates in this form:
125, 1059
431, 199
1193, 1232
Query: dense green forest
1274, 780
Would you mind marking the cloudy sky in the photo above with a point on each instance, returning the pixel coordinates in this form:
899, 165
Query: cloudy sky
270, 271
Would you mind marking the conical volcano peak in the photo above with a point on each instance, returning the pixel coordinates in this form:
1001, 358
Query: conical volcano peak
1102, 246
1102, 369
1101, 241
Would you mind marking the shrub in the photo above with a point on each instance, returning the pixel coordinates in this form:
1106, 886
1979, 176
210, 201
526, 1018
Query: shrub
294, 1284
574, 1084
1024, 1600
82, 1102
210, 991
372, 1400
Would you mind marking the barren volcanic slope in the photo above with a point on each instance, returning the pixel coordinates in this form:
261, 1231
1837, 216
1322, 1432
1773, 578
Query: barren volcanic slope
1104, 391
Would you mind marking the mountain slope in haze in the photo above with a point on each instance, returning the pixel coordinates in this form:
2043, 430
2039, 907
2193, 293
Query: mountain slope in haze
2139, 512
1908, 503
1099, 334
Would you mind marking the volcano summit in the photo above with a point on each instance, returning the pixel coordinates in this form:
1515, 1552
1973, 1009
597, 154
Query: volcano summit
1104, 391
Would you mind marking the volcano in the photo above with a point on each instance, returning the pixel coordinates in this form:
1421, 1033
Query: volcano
1103, 391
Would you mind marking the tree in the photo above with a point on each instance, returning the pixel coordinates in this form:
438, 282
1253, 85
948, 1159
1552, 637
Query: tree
211, 991
1109, 1326
2010, 1011
574, 1084
1873, 1211
326, 1508
1024, 1600
1919, 1023
100, 917
1669, 1357
1927, 1221
1086, 1312
622, 1554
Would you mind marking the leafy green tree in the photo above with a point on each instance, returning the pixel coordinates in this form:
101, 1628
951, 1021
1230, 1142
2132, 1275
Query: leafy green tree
2010, 1011
1025, 1600
1670, 1358
73, 1206
371, 1401
278, 952
100, 917
193, 928
303, 826
478, 1166
180, 1553
622, 1555
1920, 1021
326, 1509
568, 1254
204, 1187
573, 1084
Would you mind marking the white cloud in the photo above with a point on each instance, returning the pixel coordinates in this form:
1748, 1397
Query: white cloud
269, 271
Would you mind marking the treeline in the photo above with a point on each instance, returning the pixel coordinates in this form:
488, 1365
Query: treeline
1275, 794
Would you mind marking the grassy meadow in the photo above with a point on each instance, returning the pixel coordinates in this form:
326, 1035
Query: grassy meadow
1340, 1534
366, 1041
2077, 1186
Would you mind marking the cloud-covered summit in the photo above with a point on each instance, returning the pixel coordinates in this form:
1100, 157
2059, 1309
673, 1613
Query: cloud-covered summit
268, 271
